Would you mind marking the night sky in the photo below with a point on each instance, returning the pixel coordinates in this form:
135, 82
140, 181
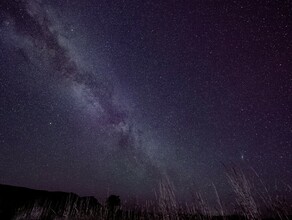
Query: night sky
101, 96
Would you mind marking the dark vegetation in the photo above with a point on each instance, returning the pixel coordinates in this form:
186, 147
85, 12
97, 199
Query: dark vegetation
25, 203
28, 204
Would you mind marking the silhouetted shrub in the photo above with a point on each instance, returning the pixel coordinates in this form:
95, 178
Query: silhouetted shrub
113, 202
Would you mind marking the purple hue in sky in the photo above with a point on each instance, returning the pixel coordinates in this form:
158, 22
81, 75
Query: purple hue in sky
112, 95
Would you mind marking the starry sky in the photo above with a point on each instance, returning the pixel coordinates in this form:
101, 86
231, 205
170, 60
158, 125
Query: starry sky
109, 96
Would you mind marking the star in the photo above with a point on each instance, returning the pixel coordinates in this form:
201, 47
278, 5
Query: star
141, 89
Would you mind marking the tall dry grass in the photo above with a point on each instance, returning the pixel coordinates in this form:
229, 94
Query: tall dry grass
167, 207
243, 191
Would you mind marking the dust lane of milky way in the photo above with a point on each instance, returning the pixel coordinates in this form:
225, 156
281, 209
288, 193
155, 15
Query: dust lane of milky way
101, 96
42, 44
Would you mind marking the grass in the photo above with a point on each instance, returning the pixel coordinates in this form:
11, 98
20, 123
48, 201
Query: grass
166, 206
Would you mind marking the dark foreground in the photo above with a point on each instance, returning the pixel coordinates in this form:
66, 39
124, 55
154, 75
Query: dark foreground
24, 203
28, 204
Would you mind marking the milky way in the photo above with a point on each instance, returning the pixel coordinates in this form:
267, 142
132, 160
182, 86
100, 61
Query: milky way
107, 96
33, 24
39, 44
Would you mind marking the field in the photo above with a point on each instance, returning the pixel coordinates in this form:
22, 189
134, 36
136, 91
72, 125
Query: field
250, 203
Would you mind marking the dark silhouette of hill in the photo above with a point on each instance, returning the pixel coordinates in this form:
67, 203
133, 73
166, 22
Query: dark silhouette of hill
29, 204
42, 204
